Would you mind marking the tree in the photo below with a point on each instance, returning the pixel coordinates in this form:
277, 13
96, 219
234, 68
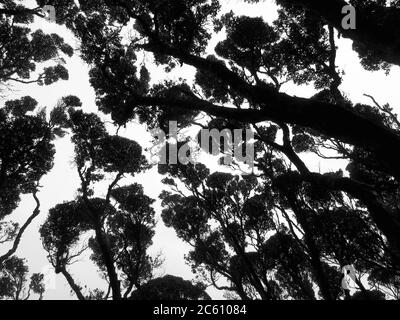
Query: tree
121, 223
26, 149
229, 227
21, 58
272, 105
26, 155
14, 283
283, 229
280, 55
288, 252
170, 288
244, 87
375, 37
98, 154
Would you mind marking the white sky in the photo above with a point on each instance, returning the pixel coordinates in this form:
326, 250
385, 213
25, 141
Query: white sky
62, 182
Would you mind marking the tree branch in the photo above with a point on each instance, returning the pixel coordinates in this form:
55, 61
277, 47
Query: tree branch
17, 240
376, 30
323, 117
72, 284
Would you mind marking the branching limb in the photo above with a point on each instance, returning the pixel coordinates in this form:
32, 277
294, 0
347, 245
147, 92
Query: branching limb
17, 240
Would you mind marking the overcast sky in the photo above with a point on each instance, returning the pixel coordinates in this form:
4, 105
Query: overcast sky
62, 182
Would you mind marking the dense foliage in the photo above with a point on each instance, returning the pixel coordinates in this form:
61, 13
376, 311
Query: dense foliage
282, 232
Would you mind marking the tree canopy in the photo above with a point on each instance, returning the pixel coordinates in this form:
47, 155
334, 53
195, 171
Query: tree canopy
281, 232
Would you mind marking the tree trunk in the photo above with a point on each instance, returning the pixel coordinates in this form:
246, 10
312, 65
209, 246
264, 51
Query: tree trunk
72, 284
109, 263
313, 251
377, 30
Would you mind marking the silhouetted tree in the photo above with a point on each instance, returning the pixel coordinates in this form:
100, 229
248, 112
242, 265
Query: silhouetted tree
299, 46
26, 154
229, 225
170, 288
122, 222
21, 58
266, 234
14, 282
26, 149
97, 154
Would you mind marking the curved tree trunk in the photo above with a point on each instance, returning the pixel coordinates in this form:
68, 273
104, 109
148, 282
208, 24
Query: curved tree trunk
17, 240
72, 284
313, 251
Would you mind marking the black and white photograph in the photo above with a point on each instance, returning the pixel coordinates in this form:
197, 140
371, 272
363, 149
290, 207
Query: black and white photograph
199, 157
